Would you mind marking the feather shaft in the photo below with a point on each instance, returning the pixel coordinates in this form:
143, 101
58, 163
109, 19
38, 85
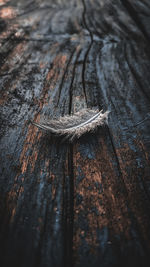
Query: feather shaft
84, 123
75, 125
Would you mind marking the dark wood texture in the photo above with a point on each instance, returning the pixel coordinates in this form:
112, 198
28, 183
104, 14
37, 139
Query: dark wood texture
87, 203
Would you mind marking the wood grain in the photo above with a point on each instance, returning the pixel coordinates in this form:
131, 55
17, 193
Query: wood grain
86, 203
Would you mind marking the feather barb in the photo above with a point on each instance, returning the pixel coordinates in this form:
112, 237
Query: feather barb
74, 126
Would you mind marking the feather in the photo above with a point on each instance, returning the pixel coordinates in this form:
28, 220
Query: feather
73, 126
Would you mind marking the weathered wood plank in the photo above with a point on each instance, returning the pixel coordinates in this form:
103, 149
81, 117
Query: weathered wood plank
86, 203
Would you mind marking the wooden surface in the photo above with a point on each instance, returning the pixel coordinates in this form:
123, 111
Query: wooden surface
87, 203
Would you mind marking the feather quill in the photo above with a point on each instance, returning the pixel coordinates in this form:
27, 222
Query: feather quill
73, 126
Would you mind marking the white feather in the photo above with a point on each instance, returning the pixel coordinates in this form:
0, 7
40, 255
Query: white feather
74, 126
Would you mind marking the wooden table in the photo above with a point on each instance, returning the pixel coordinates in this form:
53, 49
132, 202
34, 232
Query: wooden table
86, 203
